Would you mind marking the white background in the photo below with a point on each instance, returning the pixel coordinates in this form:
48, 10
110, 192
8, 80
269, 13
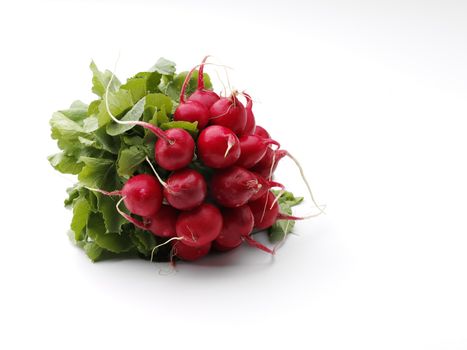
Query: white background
370, 95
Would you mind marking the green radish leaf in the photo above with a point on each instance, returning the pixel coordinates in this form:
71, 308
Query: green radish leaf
119, 102
129, 159
159, 101
93, 251
77, 111
100, 80
192, 128
90, 124
81, 211
65, 164
98, 173
163, 66
133, 114
136, 87
112, 242
112, 219
73, 194
281, 228
174, 87
107, 142
152, 79
133, 140
144, 241
94, 107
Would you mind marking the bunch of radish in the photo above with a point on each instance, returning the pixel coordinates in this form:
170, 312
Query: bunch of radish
193, 213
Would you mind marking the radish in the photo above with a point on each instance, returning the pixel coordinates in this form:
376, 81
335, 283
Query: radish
266, 185
237, 226
233, 187
266, 212
250, 125
191, 110
190, 253
142, 194
178, 152
218, 147
185, 189
268, 164
199, 226
260, 131
229, 112
162, 223
237, 223
201, 95
175, 147
252, 150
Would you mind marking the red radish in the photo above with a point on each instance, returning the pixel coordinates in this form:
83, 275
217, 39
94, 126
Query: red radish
250, 125
201, 95
265, 211
191, 110
190, 253
142, 194
218, 147
185, 189
266, 185
162, 223
175, 147
221, 248
233, 187
237, 223
178, 152
199, 226
260, 131
229, 112
268, 164
252, 150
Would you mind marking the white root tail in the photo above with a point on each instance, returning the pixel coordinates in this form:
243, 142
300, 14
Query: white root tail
162, 244
302, 173
163, 183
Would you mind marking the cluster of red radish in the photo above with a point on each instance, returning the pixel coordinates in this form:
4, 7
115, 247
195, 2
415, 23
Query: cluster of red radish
193, 215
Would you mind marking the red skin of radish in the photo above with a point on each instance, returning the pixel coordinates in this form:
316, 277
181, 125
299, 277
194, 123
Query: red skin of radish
189, 253
199, 226
229, 112
162, 223
260, 131
266, 185
252, 150
205, 97
143, 195
237, 223
186, 189
192, 111
213, 142
250, 125
263, 167
221, 248
264, 218
233, 187
177, 153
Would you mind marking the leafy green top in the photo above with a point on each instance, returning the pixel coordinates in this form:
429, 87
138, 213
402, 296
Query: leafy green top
105, 154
